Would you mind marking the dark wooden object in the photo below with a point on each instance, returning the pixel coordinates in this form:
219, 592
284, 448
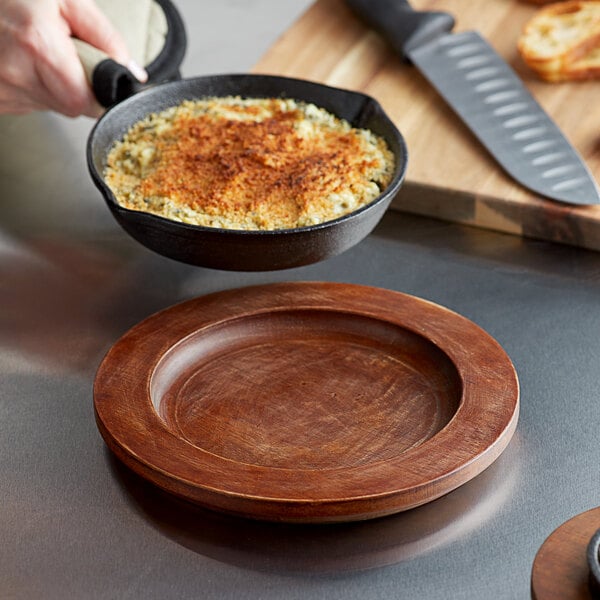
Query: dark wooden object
593, 559
561, 570
307, 401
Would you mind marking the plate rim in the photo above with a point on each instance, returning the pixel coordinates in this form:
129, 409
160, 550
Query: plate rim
471, 443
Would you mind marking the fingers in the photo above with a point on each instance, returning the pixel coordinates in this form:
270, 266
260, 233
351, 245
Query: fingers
40, 68
9, 104
20, 88
56, 77
90, 24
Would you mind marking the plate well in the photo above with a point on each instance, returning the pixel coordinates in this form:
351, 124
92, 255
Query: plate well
313, 389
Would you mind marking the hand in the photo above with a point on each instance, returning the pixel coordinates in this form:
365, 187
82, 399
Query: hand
39, 66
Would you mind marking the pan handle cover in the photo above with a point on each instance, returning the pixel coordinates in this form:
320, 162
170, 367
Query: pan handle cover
113, 82
163, 31
404, 27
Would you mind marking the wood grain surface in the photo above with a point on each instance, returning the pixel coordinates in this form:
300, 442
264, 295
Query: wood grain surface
307, 402
560, 570
450, 175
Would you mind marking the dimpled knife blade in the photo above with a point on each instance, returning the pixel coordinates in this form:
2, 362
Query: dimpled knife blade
496, 106
488, 96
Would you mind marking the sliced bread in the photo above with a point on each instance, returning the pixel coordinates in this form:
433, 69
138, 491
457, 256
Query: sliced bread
562, 40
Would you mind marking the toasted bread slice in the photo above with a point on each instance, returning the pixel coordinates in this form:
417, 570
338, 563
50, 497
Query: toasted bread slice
587, 67
560, 41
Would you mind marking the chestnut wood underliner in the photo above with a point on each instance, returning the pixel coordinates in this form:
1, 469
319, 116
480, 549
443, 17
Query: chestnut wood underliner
560, 570
307, 402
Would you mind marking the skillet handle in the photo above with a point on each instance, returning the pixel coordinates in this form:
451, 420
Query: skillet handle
404, 27
113, 83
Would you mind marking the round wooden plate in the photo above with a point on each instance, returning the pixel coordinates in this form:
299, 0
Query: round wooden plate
564, 568
307, 401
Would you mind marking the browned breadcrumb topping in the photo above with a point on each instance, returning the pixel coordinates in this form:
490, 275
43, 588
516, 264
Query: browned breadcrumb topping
248, 164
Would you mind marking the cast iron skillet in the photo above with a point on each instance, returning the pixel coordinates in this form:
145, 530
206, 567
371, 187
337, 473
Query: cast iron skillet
241, 250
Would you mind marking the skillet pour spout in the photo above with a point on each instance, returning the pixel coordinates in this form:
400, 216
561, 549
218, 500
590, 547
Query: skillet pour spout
246, 250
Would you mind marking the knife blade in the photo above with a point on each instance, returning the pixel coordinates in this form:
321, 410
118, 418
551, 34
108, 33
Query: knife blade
489, 97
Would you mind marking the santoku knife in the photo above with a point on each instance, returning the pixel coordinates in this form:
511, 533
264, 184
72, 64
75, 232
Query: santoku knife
488, 96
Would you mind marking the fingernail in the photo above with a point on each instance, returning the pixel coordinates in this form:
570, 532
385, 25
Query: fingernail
139, 73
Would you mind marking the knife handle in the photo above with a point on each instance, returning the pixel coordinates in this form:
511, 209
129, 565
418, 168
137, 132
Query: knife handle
404, 27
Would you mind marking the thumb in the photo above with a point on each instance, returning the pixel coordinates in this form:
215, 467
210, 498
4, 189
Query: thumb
89, 24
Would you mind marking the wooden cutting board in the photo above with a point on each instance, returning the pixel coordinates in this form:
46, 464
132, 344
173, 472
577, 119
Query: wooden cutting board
450, 175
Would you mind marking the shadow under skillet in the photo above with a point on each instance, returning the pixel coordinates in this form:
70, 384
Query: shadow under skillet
324, 548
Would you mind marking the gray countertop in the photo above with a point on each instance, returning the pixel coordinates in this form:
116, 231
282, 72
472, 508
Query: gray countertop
74, 523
